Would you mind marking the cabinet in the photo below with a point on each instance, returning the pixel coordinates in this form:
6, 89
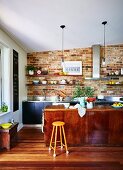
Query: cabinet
98, 127
8, 137
116, 127
32, 112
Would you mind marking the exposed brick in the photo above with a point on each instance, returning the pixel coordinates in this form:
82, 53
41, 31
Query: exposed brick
52, 61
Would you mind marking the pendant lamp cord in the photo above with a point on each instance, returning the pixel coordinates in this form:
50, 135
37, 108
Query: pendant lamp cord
62, 58
104, 23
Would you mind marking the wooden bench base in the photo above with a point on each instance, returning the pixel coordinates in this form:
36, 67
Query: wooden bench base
8, 137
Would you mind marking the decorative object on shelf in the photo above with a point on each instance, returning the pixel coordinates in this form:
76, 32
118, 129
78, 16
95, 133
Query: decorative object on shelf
44, 71
62, 58
117, 72
38, 71
63, 81
71, 82
4, 108
103, 59
35, 82
121, 71
44, 81
30, 69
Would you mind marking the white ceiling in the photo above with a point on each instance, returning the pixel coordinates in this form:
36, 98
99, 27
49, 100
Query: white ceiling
35, 24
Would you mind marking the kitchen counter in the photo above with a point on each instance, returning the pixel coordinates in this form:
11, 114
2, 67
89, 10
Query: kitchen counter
102, 125
108, 100
95, 108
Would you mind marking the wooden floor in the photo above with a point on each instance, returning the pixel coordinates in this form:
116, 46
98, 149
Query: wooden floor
32, 154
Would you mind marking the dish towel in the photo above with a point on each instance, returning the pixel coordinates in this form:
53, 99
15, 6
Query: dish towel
81, 110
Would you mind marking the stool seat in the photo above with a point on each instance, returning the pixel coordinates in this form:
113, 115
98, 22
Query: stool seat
58, 123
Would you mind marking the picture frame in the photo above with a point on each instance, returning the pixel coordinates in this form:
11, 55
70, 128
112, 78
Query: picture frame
72, 67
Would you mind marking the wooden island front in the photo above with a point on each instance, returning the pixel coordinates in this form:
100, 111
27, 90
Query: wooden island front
102, 125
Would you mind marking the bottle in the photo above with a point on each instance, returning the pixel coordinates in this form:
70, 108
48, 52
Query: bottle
12, 121
121, 71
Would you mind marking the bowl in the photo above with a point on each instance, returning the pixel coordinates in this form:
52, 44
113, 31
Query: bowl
41, 98
35, 81
117, 107
44, 82
6, 125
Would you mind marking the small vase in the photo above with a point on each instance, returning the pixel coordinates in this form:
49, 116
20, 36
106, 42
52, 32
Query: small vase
89, 105
31, 72
82, 101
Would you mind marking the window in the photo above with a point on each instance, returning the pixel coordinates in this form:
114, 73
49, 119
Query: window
0, 80
4, 75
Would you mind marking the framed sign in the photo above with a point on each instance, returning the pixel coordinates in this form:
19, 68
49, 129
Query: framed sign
72, 67
15, 81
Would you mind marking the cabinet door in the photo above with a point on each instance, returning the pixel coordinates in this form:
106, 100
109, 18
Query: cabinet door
116, 127
28, 109
98, 127
38, 112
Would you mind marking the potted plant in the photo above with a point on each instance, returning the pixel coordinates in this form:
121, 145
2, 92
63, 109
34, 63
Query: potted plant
89, 91
79, 94
4, 108
30, 69
83, 93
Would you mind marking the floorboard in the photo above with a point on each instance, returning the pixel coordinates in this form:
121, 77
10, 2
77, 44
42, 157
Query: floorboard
31, 153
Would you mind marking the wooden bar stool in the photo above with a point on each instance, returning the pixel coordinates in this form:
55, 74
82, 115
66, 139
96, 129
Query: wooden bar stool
54, 134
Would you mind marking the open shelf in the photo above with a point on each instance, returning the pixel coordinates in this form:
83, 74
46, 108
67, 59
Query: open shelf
53, 84
49, 75
114, 84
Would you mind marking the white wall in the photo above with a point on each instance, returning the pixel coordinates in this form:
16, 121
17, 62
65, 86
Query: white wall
11, 44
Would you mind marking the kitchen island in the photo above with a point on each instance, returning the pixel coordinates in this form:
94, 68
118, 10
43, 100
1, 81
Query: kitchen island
102, 125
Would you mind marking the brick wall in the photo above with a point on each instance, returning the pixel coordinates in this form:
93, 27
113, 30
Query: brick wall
52, 61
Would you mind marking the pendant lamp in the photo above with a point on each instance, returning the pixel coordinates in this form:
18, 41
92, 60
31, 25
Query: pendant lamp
62, 58
103, 59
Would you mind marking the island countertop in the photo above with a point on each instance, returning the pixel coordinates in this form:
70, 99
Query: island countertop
102, 125
95, 108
